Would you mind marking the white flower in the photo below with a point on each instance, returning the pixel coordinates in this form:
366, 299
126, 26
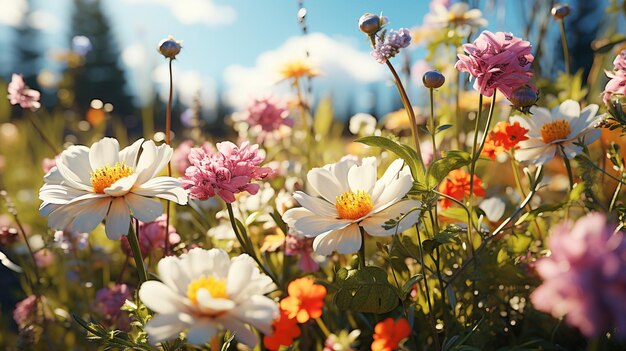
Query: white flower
204, 291
548, 133
458, 16
91, 184
362, 124
352, 198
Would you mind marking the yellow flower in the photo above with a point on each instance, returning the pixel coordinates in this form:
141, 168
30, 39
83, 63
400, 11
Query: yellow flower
297, 69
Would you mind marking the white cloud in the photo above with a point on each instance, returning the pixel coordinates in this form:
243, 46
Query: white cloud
44, 20
13, 12
195, 11
134, 55
343, 69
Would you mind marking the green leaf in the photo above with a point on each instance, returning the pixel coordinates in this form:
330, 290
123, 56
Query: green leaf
539, 211
443, 127
323, 116
447, 236
405, 152
408, 286
365, 290
439, 169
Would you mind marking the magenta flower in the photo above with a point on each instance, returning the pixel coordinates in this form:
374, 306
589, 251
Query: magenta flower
389, 46
617, 83
226, 172
25, 312
20, 94
267, 114
299, 245
152, 237
109, 302
584, 279
497, 61
180, 158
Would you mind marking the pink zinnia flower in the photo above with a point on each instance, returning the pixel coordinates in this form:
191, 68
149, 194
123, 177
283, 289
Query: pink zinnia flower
267, 114
585, 276
299, 245
109, 302
20, 94
497, 61
152, 236
226, 172
617, 83
180, 158
25, 311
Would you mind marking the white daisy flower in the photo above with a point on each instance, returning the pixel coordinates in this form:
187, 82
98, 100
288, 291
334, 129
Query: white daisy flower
352, 198
91, 184
204, 291
458, 16
548, 133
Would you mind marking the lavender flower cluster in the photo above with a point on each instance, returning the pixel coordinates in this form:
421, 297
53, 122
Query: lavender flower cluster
391, 44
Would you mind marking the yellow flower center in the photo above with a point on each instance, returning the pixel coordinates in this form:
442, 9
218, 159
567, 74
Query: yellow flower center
215, 287
353, 205
555, 130
103, 177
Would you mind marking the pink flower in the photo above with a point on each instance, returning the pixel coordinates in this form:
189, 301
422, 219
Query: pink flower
152, 237
497, 61
619, 63
299, 245
267, 114
617, 83
25, 312
47, 164
20, 94
109, 302
226, 172
585, 277
180, 158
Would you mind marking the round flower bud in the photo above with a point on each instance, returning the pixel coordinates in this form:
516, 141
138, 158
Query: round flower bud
169, 47
560, 11
369, 23
523, 97
433, 79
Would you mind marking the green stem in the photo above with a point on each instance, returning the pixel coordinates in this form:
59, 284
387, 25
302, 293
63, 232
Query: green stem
431, 317
565, 49
432, 123
362, 249
133, 240
618, 189
568, 167
168, 127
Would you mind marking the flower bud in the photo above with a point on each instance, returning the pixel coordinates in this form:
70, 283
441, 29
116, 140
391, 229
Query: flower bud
369, 23
560, 11
523, 98
169, 47
433, 79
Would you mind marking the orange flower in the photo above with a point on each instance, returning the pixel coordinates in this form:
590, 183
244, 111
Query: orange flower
505, 136
285, 330
457, 185
389, 333
305, 299
297, 69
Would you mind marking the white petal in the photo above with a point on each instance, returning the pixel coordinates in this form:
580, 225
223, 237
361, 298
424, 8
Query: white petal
164, 327
59, 194
91, 214
207, 262
258, 311
152, 160
210, 305
239, 275
316, 225
122, 186
340, 171
391, 173
160, 298
494, 208
242, 332
363, 177
393, 192
325, 183
374, 225
167, 188
144, 208
104, 152
293, 214
568, 110
316, 205
201, 332
325, 244
61, 217
118, 219
536, 155
74, 167
128, 155
350, 239
570, 150
174, 273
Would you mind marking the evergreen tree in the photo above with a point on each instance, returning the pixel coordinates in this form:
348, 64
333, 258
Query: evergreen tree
27, 59
101, 76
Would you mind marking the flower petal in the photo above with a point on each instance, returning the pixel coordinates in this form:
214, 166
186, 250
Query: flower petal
201, 332
363, 177
316, 225
316, 205
74, 167
210, 305
128, 155
391, 173
325, 184
243, 333
152, 160
144, 208
350, 241
160, 298
567, 110
167, 188
258, 311
118, 219
374, 225
164, 327
104, 152
122, 186
393, 192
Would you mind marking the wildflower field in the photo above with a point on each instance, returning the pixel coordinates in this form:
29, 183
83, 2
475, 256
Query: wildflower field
477, 203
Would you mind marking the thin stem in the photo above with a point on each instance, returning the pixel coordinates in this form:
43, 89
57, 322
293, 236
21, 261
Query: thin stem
568, 167
168, 127
618, 189
431, 317
564, 43
432, 123
323, 327
133, 240
41, 133
362, 249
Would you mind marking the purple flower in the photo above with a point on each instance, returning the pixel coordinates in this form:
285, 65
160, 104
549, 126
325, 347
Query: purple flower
152, 237
109, 302
299, 245
267, 114
584, 279
390, 46
20, 94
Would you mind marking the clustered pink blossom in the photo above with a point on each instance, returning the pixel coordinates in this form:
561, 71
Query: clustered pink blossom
298, 245
20, 94
226, 172
267, 114
497, 61
617, 82
25, 312
152, 237
180, 158
390, 46
585, 276
109, 302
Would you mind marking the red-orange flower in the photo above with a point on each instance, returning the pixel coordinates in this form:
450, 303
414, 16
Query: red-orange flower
305, 300
389, 333
285, 330
505, 136
457, 185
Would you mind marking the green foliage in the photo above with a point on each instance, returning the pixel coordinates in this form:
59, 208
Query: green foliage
323, 117
440, 168
365, 290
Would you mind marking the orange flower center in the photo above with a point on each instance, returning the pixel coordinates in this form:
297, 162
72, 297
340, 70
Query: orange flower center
103, 177
353, 205
555, 130
215, 287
